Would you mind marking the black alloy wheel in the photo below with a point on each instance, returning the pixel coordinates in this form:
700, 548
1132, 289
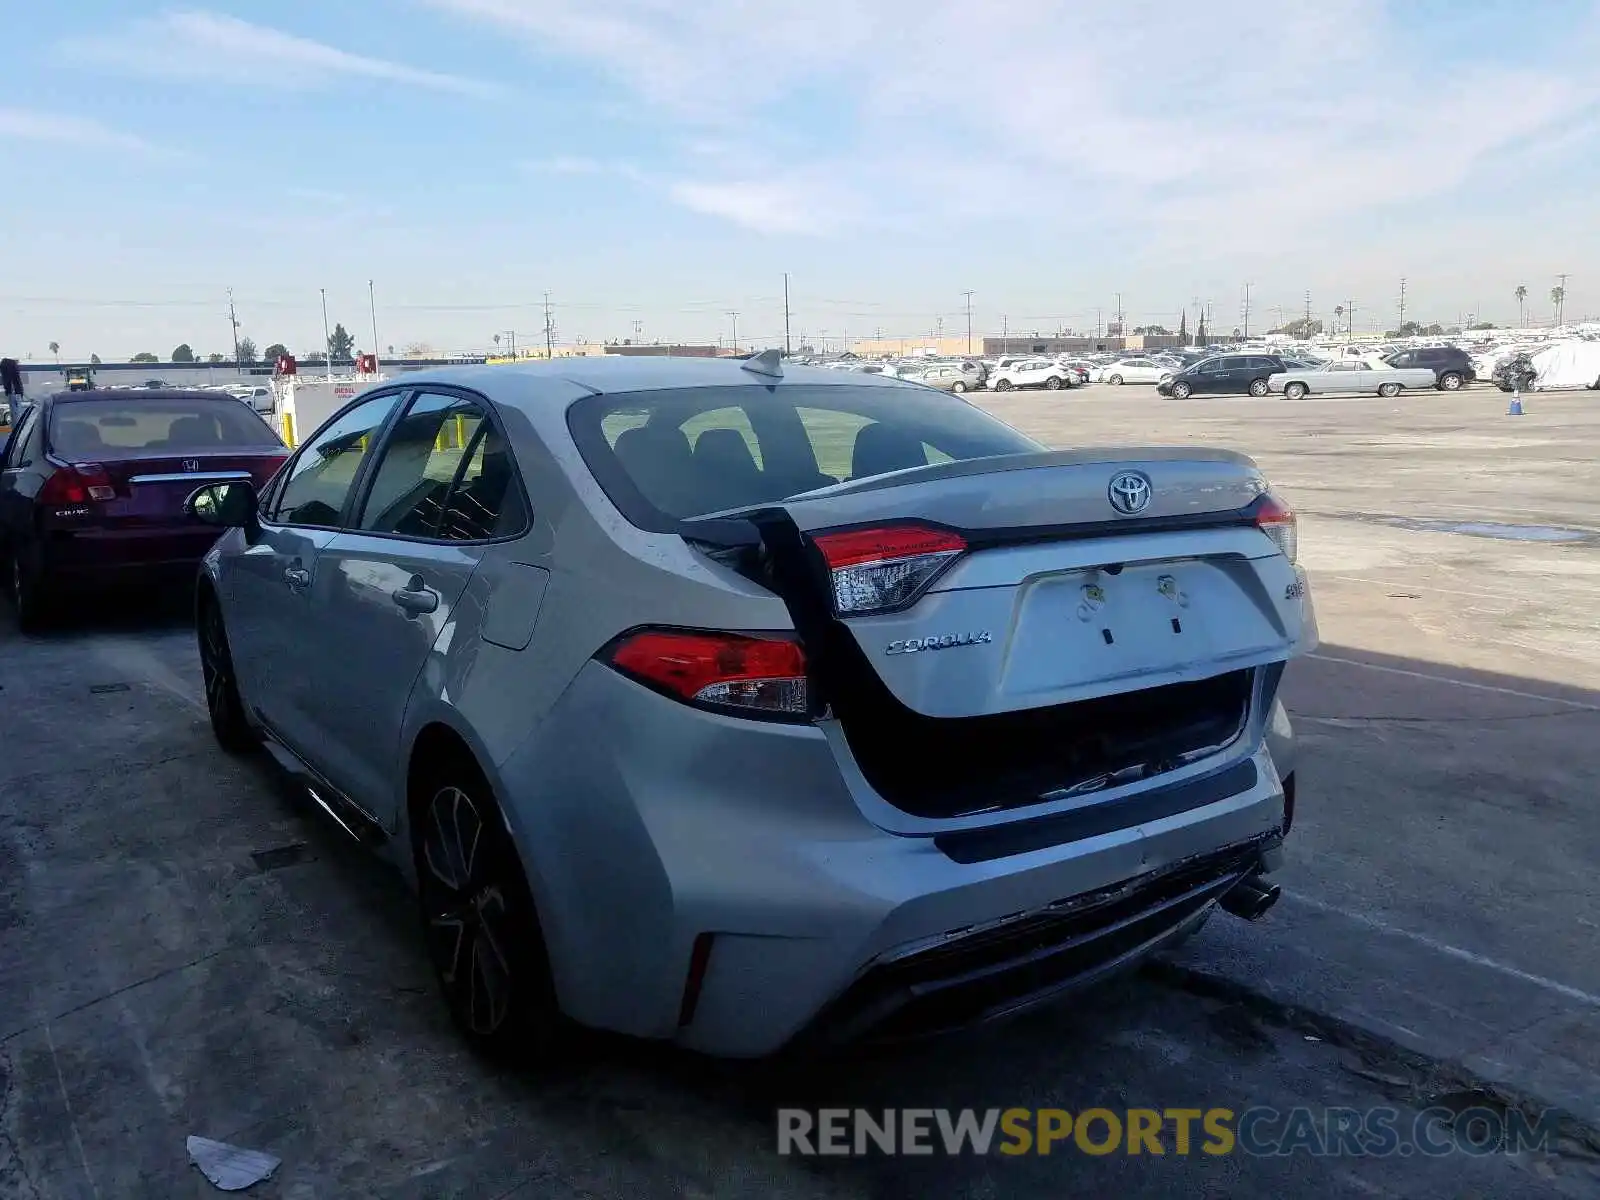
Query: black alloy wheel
479, 922
27, 594
229, 724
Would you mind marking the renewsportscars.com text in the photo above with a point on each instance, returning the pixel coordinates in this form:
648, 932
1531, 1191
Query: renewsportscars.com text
1258, 1131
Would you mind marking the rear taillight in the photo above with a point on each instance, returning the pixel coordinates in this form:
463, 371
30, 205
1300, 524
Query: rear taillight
1276, 520
77, 484
884, 568
750, 675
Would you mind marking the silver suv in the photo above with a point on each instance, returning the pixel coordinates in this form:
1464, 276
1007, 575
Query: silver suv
741, 706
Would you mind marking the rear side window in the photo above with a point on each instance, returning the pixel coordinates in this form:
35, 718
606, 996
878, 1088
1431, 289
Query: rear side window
105, 429
669, 455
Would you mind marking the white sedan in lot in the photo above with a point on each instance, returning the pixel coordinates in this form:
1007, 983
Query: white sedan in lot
1136, 370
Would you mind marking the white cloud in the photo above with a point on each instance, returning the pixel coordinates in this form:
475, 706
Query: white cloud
763, 206
202, 46
58, 129
1251, 118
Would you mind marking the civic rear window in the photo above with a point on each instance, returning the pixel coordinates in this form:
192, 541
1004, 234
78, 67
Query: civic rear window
665, 456
105, 429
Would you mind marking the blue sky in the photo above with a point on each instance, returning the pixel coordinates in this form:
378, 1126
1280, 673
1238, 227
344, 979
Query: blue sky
650, 161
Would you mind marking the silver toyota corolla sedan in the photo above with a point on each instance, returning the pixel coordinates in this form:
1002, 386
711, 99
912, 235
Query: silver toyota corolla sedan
755, 707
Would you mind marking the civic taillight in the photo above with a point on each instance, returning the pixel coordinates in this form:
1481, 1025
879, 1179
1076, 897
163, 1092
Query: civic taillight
1276, 520
886, 567
77, 484
747, 674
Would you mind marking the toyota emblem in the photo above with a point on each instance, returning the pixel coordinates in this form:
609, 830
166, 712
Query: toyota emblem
1130, 492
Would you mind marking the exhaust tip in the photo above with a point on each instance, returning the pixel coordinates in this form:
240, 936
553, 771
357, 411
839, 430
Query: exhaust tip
1250, 899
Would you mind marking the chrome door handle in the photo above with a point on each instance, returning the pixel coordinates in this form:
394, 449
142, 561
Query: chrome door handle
296, 577
416, 600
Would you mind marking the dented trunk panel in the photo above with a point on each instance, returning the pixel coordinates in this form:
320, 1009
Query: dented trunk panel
1069, 621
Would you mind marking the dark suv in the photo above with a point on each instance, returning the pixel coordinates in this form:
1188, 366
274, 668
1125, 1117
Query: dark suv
1452, 368
1225, 374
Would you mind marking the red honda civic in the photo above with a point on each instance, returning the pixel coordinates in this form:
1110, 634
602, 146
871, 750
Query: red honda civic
93, 484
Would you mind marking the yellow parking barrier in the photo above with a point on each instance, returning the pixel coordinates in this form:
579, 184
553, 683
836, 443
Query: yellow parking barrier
286, 428
461, 431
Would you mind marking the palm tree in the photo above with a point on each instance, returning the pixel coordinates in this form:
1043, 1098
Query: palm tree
1338, 311
1558, 296
55, 348
1521, 294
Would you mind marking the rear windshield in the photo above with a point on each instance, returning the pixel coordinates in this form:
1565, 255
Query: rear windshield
667, 455
104, 429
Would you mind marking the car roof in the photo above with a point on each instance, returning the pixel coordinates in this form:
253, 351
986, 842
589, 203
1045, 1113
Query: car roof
137, 394
526, 385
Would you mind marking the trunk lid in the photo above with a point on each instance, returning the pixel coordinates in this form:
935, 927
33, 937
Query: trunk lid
154, 489
1068, 647
1061, 598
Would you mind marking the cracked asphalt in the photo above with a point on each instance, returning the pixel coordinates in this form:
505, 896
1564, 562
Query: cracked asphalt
186, 949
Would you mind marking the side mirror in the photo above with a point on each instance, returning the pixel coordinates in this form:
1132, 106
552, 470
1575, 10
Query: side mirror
230, 505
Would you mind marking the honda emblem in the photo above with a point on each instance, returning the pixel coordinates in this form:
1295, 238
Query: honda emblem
191, 464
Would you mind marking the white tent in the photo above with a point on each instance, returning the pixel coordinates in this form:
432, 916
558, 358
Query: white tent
1573, 364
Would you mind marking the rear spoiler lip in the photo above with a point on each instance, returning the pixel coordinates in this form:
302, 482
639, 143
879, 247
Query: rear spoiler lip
739, 528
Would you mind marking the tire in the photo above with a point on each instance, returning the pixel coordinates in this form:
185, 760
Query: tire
1115, 379
1388, 390
1451, 381
958, 387
229, 724
478, 919
1053, 384
1295, 391
1002, 385
1181, 390
28, 594
1258, 387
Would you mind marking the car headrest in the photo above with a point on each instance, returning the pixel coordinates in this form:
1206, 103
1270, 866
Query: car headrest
724, 450
881, 448
192, 431
74, 436
658, 460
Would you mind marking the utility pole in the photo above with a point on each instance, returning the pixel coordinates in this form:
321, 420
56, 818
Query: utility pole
968, 295
327, 338
638, 333
372, 309
1097, 334
1005, 335
1245, 310
549, 332
1561, 304
938, 330
1121, 332
1402, 325
1349, 320
786, 347
734, 317
233, 320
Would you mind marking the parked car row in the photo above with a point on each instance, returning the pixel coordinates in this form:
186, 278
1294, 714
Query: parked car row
611, 656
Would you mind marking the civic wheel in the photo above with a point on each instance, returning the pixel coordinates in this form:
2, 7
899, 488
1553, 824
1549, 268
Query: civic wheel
958, 386
1116, 379
1002, 385
1258, 387
1296, 391
1181, 390
1451, 381
1053, 384
1389, 390
229, 724
24, 584
478, 919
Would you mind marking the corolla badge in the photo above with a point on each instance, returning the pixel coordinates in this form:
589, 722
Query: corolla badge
1129, 492
946, 641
